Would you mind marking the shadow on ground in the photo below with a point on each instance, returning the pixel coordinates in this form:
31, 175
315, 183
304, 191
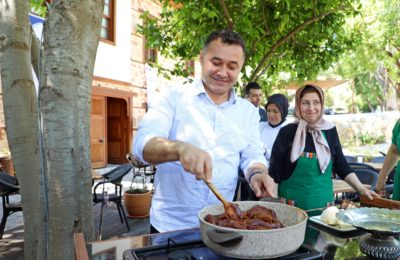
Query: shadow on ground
12, 244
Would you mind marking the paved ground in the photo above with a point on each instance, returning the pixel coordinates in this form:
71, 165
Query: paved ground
16, 219
11, 246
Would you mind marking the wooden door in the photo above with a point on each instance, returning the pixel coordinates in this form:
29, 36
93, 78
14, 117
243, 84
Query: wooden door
98, 137
117, 130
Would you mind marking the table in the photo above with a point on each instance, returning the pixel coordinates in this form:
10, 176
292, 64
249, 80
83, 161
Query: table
340, 186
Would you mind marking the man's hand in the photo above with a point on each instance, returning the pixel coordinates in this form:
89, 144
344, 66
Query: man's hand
264, 186
195, 161
261, 183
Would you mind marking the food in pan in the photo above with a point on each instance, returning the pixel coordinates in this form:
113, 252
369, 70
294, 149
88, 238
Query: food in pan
256, 218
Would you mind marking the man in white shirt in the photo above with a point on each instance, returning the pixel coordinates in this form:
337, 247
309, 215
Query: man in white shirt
202, 132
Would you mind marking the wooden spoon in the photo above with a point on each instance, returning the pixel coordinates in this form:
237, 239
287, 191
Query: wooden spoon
231, 209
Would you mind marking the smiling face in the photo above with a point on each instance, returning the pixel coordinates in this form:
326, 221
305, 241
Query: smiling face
310, 107
274, 114
221, 65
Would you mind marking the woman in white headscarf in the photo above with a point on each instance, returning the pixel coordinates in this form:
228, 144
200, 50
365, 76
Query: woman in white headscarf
306, 152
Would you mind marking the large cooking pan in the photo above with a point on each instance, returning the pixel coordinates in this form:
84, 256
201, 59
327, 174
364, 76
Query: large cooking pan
255, 244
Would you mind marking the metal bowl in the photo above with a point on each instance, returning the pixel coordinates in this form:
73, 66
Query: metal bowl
384, 222
381, 224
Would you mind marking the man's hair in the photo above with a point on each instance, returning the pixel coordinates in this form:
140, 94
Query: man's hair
251, 85
227, 37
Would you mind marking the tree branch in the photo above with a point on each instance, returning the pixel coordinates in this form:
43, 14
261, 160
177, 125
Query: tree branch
267, 31
226, 13
285, 38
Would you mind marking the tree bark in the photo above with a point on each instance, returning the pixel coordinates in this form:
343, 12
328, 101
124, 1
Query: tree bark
50, 139
71, 36
21, 119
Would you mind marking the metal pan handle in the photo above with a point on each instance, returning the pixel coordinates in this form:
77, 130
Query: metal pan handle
224, 238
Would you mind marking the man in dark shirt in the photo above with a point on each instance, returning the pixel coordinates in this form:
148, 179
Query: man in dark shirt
253, 94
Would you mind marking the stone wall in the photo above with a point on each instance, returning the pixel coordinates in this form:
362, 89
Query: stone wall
374, 128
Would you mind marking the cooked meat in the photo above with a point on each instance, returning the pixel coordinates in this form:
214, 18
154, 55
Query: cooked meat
258, 217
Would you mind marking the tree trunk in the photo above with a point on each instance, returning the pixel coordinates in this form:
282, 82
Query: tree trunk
52, 159
21, 119
71, 36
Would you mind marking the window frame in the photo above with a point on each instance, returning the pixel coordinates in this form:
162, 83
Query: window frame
111, 25
150, 52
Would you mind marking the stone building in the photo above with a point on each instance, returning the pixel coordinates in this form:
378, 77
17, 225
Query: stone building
124, 82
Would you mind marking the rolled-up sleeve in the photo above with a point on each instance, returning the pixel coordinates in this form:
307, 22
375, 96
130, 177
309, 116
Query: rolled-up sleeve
156, 122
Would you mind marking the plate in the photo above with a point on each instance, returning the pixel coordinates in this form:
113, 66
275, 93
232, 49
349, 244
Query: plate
338, 228
344, 231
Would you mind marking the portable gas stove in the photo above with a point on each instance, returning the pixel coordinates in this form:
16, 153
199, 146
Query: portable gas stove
187, 244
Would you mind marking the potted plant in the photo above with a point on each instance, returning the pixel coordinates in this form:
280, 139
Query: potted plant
137, 198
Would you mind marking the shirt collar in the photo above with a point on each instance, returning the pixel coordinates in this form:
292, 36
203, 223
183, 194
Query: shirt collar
200, 90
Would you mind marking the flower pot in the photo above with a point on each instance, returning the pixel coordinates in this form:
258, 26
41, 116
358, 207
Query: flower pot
7, 165
137, 204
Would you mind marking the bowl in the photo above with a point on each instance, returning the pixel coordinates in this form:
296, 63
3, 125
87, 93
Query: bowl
255, 244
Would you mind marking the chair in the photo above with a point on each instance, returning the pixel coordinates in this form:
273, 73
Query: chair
366, 176
378, 159
8, 186
350, 159
114, 177
356, 165
140, 168
390, 179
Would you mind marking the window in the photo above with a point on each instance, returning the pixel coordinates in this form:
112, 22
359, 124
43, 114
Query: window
107, 22
189, 66
150, 54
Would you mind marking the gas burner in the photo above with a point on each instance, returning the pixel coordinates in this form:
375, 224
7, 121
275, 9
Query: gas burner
181, 255
381, 225
380, 247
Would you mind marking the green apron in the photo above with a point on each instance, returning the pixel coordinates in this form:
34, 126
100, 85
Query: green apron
396, 186
308, 187
396, 141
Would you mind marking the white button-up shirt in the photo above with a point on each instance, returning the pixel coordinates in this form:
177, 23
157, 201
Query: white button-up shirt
229, 132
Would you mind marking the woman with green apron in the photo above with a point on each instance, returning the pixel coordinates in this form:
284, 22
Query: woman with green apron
305, 154
391, 159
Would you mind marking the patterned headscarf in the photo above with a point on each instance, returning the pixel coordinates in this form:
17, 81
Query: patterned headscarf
321, 146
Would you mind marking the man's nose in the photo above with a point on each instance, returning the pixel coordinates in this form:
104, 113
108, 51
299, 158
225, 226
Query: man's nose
223, 71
